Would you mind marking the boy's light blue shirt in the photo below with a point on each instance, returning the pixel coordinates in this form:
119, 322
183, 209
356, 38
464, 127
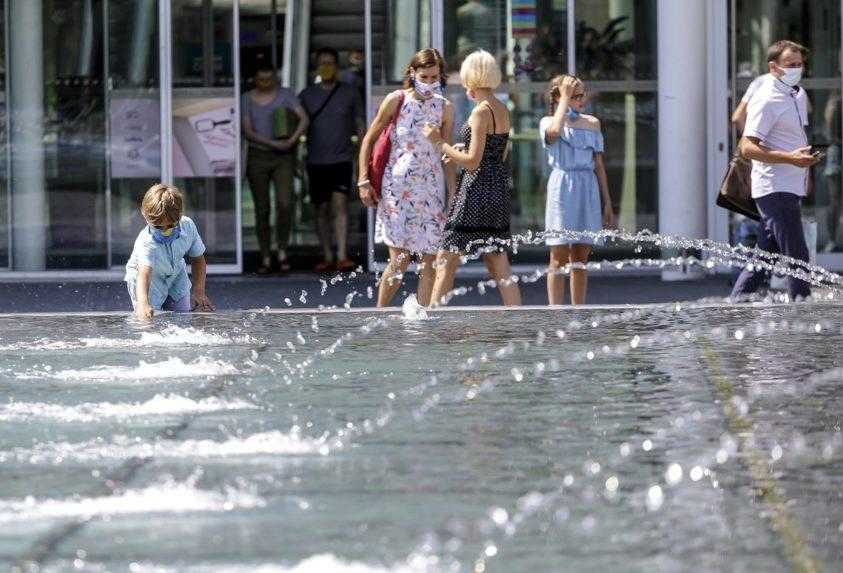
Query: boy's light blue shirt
169, 270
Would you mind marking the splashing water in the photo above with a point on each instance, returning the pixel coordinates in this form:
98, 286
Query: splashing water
484, 440
412, 310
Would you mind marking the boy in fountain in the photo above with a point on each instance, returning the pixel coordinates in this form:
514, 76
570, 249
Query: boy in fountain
156, 273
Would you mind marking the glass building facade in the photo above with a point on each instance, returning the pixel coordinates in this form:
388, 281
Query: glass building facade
101, 98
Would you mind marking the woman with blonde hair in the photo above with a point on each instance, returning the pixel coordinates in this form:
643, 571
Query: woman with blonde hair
411, 206
479, 216
577, 186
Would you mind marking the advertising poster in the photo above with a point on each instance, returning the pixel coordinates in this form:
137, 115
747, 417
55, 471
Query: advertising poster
135, 137
204, 138
523, 18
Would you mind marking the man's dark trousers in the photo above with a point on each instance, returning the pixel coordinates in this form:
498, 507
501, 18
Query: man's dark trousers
781, 232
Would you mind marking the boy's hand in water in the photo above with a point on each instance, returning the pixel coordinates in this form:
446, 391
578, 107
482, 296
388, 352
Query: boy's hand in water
199, 302
143, 311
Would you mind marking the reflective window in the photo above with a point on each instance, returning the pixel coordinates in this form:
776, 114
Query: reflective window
529, 42
58, 131
615, 55
816, 25
134, 116
406, 31
616, 40
205, 123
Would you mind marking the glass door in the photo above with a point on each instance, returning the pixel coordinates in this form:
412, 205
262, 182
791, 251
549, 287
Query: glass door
205, 123
815, 24
55, 107
133, 99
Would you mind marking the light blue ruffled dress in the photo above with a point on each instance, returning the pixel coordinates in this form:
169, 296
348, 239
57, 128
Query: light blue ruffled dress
573, 195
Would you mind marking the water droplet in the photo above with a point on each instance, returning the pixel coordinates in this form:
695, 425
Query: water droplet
624, 449
491, 551
776, 453
647, 445
499, 516
739, 334
636, 340
673, 475
722, 456
612, 484
517, 374
655, 498
696, 473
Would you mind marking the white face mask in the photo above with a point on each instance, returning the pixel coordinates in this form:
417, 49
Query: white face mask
791, 76
426, 90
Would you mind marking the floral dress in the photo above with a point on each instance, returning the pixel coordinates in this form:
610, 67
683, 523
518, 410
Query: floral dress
411, 211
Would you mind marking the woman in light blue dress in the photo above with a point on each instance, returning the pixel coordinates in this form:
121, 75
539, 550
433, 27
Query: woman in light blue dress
578, 202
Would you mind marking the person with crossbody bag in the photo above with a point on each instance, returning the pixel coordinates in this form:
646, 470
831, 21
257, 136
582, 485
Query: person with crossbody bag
403, 174
336, 114
774, 138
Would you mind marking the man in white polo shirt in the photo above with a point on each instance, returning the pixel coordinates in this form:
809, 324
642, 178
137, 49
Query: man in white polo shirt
774, 138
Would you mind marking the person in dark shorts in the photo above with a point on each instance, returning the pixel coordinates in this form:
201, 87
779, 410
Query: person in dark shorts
336, 114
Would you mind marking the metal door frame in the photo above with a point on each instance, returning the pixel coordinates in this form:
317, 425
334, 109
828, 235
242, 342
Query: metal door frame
7, 142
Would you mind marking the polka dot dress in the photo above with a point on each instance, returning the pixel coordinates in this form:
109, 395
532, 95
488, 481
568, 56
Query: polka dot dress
480, 214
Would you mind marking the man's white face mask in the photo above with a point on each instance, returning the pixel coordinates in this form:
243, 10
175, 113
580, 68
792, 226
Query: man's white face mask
791, 76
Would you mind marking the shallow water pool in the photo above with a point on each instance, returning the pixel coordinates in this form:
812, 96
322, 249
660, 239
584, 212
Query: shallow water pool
616, 439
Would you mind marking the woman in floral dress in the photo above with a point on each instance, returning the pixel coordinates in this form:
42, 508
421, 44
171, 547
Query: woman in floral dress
412, 207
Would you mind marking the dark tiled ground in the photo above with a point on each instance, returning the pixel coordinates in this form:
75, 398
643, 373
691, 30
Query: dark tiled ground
245, 292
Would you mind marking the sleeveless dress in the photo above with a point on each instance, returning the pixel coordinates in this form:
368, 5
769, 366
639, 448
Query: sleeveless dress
573, 196
479, 218
411, 211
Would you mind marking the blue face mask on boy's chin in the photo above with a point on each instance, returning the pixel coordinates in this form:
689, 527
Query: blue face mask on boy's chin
165, 237
572, 114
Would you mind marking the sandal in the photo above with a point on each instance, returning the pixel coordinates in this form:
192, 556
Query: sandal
346, 266
284, 265
324, 267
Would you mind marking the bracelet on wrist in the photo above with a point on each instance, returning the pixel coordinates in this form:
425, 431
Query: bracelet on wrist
363, 182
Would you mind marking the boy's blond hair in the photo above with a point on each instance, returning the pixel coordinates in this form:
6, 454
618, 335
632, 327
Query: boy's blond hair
480, 70
162, 204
